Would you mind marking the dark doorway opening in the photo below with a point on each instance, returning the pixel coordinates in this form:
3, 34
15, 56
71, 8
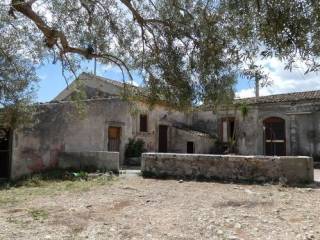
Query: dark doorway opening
275, 136
4, 153
190, 147
114, 138
163, 138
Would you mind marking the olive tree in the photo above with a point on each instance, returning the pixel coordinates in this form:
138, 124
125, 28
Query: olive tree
187, 51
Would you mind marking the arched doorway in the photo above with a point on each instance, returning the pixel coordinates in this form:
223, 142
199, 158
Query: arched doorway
274, 136
4, 153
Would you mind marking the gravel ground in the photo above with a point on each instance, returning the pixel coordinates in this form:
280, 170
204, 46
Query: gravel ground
137, 208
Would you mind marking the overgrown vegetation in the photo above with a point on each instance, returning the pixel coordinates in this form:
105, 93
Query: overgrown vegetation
134, 148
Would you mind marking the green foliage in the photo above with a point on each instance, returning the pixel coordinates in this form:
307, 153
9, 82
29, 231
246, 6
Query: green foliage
244, 109
134, 148
188, 51
134, 109
77, 97
80, 175
18, 79
17, 89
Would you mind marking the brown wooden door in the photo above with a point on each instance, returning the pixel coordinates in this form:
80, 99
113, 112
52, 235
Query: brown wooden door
114, 134
275, 136
4, 152
163, 138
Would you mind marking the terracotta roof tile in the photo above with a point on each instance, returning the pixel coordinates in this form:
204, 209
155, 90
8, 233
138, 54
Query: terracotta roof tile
287, 97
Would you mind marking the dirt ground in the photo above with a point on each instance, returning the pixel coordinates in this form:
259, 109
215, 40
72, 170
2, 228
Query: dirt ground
135, 208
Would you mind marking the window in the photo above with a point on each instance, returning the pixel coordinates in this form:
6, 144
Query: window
227, 128
190, 147
143, 123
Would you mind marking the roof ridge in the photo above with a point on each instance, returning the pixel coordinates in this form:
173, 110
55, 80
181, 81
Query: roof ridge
282, 97
281, 94
104, 79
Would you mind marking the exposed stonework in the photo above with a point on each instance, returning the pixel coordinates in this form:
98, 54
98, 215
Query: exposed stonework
291, 170
301, 125
101, 160
59, 130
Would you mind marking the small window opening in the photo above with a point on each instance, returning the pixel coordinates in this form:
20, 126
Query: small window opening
143, 123
190, 147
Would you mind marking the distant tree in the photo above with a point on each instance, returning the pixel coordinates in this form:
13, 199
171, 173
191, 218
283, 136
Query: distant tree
188, 51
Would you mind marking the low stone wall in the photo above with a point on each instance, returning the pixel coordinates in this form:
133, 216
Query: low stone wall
100, 160
292, 170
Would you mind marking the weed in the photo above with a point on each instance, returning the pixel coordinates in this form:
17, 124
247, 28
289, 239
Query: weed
38, 214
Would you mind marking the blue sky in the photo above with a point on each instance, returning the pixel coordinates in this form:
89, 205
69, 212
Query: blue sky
282, 81
52, 81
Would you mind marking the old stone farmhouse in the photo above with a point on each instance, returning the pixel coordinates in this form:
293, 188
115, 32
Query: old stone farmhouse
285, 124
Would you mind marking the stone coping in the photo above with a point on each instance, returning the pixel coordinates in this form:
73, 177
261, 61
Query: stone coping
222, 155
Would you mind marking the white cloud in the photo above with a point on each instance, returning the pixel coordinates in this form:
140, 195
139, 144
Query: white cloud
284, 81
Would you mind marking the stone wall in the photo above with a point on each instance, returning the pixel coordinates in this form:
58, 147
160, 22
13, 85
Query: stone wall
60, 129
100, 160
302, 126
178, 139
292, 170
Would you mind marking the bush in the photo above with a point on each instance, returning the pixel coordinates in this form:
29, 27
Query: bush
134, 148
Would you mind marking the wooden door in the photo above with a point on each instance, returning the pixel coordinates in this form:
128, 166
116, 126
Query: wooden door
114, 139
275, 136
4, 152
163, 138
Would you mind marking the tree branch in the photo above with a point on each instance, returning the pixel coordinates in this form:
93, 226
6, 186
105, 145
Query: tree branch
55, 37
136, 15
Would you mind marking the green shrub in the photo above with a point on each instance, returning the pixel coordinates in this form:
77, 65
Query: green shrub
134, 148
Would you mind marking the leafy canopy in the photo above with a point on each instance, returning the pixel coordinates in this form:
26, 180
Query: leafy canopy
188, 51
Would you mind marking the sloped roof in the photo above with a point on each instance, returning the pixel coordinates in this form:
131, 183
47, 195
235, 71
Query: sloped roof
192, 131
286, 97
93, 77
92, 81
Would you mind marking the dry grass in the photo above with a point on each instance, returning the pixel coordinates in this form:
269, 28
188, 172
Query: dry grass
137, 208
45, 186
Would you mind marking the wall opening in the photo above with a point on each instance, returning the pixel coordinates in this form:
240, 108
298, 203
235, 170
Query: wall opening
4, 153
163, 138
227, 129
190, 147
274, 136
114, 139
143, 123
